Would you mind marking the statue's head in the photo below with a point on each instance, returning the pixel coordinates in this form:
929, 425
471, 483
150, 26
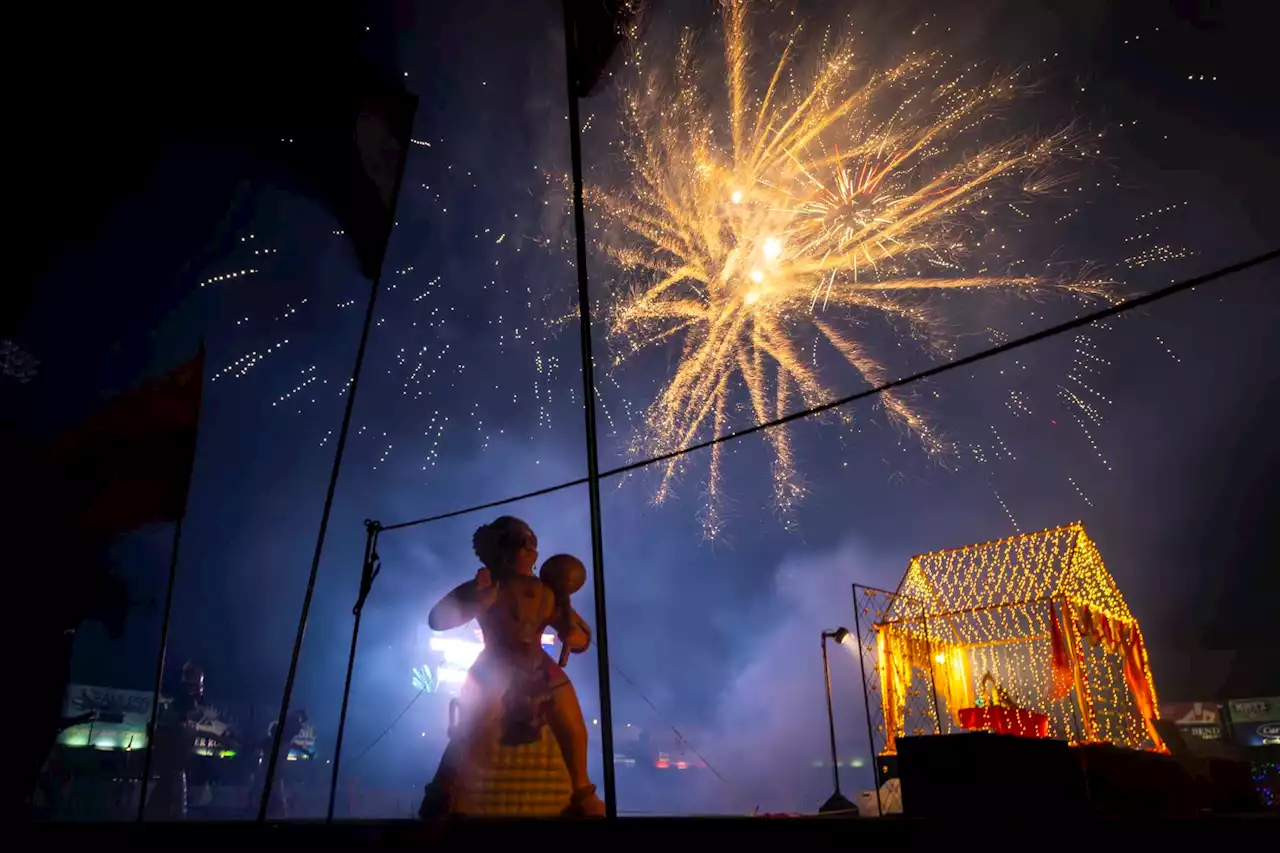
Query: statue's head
506, 546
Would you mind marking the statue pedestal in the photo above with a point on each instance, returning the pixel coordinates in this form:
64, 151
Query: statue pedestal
513, 781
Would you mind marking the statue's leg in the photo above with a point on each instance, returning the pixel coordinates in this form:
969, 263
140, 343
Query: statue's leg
571, 733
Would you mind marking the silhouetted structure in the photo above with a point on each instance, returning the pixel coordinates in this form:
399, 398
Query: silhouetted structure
283, 110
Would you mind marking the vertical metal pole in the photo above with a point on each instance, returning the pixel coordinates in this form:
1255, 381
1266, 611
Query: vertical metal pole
831, 717
371, 533
269, 778
867, 702
160, 658
333, 485
589, 406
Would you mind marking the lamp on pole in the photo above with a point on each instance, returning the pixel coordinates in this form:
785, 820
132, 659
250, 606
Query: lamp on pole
837, 802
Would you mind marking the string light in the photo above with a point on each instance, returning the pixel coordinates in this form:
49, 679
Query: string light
1041, 615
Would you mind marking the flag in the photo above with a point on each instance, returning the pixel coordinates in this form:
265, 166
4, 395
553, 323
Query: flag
344, 140
130, 463
383, 125
267, 77
598, 28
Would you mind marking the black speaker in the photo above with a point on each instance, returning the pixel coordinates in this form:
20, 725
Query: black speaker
886, 768
967, 774
1132, 783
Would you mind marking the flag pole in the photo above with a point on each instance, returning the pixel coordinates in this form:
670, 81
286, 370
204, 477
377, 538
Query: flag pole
269, 778
168, 613
589, 405
368, 571
273, 759
160, 660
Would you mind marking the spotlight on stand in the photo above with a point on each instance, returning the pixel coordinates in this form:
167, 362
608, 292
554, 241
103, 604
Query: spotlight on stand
837, 802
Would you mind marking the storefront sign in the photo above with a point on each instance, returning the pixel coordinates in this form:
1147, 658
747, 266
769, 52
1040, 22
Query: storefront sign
1265, 709
120, 720
1191, 713
1258, 734
1201, 731
1202, 720
106, 700
1255, 722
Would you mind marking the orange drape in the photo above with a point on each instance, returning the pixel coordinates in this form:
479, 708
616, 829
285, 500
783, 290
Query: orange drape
893, 690
1063, 674
899, 655
1137, 675
1075, 646
1125, 638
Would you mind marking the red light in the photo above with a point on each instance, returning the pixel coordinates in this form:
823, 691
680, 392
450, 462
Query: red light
662, 764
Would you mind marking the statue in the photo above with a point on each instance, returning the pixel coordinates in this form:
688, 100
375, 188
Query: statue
995, 696
519, 689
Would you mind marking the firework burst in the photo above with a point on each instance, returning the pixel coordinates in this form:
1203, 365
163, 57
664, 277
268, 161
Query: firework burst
747, 231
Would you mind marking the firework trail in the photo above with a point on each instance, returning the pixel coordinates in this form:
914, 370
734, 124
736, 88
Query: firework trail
743, 231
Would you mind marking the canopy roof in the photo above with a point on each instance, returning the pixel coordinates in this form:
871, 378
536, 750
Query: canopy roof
956, 585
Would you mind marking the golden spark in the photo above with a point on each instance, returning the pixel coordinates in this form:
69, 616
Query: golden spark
744, 230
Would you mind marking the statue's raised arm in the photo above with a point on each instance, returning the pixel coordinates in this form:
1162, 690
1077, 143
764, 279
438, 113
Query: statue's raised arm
465, 602
566, 575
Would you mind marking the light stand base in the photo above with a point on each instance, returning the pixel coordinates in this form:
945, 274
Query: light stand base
837, 802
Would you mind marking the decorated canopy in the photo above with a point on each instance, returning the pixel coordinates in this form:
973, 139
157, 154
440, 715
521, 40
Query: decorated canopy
1028, 634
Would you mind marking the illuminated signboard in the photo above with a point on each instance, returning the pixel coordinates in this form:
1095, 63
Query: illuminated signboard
122, 717
1265, 709
1191, 713
1255, 722
448, 656
1194, 719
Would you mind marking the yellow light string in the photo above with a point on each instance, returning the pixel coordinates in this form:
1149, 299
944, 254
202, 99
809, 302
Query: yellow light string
993, 602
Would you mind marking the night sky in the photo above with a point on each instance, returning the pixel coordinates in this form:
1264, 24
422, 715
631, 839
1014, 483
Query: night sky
472, 392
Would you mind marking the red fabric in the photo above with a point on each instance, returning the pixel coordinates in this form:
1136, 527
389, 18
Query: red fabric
1063, 677
1135, 674
1005, 721
130, 464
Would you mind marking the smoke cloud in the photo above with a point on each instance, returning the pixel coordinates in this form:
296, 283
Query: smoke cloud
769, 738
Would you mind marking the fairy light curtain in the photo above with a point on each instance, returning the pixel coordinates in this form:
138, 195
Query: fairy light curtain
1042, 616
